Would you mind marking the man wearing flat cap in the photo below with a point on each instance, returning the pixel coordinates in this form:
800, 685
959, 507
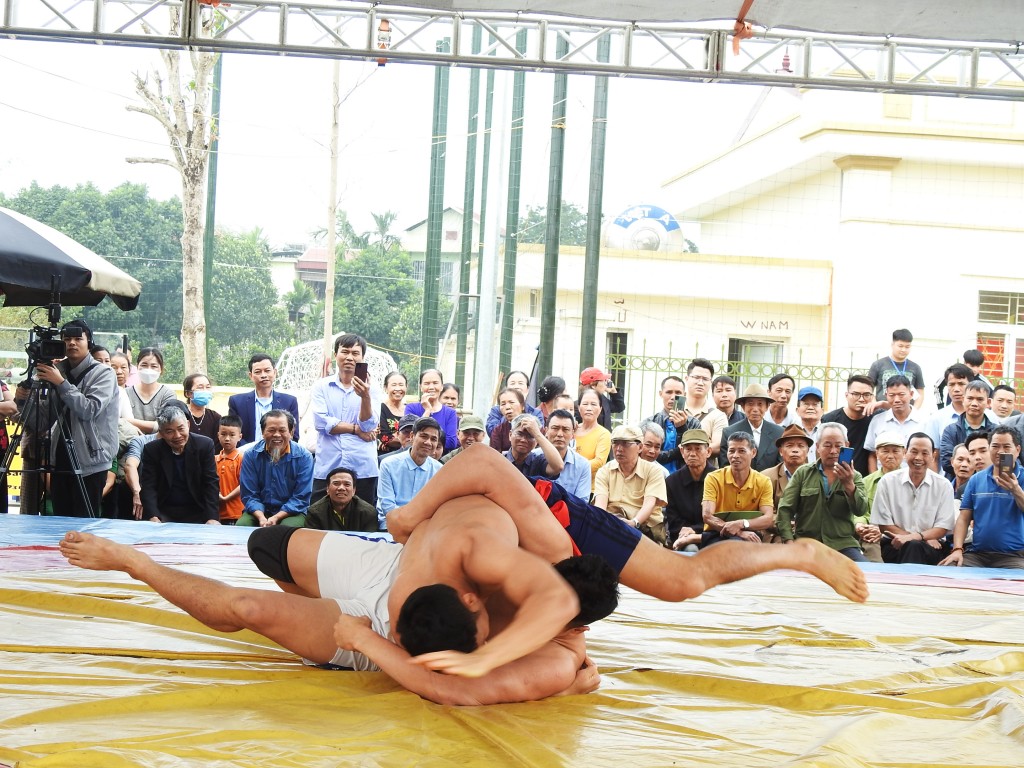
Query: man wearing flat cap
630, 487
755, 403
684, 518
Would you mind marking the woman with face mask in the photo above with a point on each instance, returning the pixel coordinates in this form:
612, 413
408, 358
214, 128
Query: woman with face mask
149, 396
199, 394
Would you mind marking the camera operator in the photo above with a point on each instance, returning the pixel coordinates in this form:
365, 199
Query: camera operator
89, 401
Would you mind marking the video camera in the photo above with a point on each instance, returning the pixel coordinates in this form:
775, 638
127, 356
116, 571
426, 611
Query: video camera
46, 345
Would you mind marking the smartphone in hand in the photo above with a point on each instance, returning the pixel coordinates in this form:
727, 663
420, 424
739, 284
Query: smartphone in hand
363, 372
1006, 462
680, 402
846, 456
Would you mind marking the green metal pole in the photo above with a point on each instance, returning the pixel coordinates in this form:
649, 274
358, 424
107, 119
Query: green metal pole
211, 199
592, 262
549, 292
485, 170
435, 215
468, 200
515, 164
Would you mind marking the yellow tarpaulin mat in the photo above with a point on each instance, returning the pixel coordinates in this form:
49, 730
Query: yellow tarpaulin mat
97, 670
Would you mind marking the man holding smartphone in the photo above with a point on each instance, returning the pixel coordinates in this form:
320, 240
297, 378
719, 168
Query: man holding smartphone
994, 501
346, 409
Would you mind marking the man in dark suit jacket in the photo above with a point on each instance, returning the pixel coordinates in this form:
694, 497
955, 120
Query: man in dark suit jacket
263, 374
178, 474
755, 403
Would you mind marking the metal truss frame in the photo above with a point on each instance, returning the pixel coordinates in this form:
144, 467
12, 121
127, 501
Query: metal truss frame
353, 30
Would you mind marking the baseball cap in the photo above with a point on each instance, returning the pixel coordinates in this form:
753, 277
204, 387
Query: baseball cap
695, 437
626, 434
471, 421
810, 392
593, 375
408, 422
890, 438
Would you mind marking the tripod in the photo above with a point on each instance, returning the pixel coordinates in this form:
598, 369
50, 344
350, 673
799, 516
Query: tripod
36, 413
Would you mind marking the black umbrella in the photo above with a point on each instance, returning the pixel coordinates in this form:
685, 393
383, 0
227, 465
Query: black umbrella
33, 254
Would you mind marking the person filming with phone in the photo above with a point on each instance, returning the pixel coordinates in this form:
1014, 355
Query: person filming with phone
346, 409
994, 501
826, 500
89, 403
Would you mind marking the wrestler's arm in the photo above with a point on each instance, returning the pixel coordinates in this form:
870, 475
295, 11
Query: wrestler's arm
549, 671
545, 604
482, 470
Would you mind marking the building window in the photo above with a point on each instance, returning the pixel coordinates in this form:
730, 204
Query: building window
419, 268
451, 234
534, 303
448, 277
1001, 308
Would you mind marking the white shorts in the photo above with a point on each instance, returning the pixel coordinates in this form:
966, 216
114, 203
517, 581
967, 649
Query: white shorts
357, 573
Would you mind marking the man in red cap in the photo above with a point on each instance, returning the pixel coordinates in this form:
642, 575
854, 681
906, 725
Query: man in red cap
611, 399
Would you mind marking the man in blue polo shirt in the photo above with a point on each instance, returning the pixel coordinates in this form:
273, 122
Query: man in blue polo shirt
994, 500
403, 475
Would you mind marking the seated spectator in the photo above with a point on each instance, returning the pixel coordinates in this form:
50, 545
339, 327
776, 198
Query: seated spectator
737, 500
450, 395
178, 474
611, 399
673, 419
511, 404
890, 453
1004, 399
471, 431
993, 501
403, 474
755, 404
404, 434
392, 409
575, 473
277, 475
954, 381
198, 391
793, 448
593, 442
520, 382
341, 509
684, 518
430, 404
630, 487
914, 508
547, 393
963, 470
526, 437
723, 392
973, 419
827, 499
654, 438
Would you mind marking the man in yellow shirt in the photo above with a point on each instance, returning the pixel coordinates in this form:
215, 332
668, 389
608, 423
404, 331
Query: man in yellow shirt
631, 487
738, 501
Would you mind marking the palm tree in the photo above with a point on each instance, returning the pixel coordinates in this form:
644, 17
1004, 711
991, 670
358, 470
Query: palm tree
381, 238
298, 301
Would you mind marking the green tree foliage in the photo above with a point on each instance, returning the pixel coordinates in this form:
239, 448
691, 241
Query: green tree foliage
572, 229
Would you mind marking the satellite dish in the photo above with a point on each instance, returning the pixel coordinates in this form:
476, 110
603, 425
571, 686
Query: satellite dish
644, 228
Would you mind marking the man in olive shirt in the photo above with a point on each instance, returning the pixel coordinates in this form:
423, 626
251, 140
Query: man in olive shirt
341, 509
827, 498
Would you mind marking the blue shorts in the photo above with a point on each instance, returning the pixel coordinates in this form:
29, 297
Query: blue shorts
593, 531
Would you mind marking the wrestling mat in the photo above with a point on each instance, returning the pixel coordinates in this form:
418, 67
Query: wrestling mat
98, 671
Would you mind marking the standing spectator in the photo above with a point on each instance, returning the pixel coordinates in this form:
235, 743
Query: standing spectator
520, 382
898, 364
973, 419
345, 412
827, 499
630, 487
7, 408
404, 474
1004, 398
547, 393
511, 404
87, 391
277, 476
914, 508
593, 442
149, 396
684, 518
251, 407
723, 392
341, 509
673, 419
860, 391
994, 502
955, 380
178, 474
229, 469
611, 399
450, 395
392, 409
808, 413
781, 387
198, 391
430, 404
701, 407
900, 417
756, 403
975, 360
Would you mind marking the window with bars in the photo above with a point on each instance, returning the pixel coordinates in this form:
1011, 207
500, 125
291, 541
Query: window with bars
1001, 308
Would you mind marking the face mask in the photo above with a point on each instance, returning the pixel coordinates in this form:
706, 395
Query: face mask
148, 375
202, 397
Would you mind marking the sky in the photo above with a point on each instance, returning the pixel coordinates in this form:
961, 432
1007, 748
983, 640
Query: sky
64, 120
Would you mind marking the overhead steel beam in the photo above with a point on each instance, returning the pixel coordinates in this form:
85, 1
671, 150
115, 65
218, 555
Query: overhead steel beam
662, 51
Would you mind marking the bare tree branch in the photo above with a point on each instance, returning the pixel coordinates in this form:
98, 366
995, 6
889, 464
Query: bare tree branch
153, 160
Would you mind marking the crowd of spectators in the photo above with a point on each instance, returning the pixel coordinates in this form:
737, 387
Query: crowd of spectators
876, 479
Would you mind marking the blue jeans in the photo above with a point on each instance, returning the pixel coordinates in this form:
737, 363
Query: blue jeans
854, 554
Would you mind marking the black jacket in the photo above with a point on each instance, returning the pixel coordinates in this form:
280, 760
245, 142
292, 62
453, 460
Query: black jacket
156, 474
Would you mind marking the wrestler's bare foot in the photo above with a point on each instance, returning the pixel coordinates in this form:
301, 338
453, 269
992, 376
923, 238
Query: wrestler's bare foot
97, 554
835, 569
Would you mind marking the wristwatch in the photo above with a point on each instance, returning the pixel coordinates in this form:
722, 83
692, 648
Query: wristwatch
746, 525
